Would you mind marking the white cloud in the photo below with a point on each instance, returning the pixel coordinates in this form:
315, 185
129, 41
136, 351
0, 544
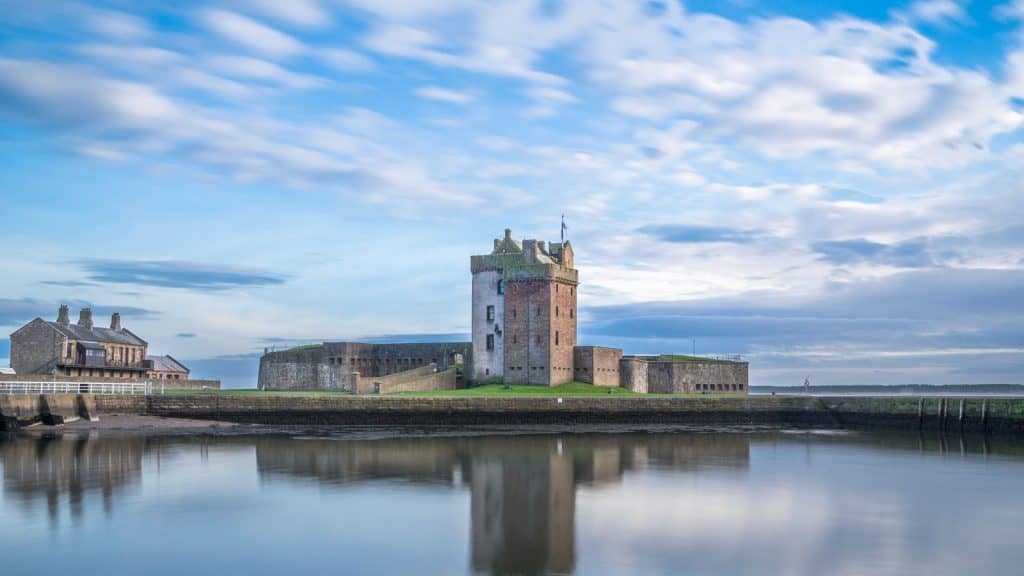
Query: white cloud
347, 150
118, 25
261, 70
250, 33
303, 13
444, 95
935, 12
343, 59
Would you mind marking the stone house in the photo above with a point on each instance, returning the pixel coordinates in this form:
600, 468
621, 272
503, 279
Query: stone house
80, 349
165, 368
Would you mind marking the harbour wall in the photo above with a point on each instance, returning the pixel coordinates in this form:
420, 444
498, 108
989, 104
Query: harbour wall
991, 414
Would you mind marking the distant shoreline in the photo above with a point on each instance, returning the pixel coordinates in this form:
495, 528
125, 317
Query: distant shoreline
929, 390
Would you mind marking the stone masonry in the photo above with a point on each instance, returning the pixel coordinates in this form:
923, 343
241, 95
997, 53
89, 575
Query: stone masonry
524, 312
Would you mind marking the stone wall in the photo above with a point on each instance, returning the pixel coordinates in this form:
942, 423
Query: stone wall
1004, 415
301, 368
633, 375
35, 348
422, 379
597, 365
488, 364
330, 366
654, 376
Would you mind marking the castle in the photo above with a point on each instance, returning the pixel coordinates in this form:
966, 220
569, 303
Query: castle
524, 331
524, 312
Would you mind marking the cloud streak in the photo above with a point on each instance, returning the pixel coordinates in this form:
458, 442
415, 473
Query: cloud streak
178, 274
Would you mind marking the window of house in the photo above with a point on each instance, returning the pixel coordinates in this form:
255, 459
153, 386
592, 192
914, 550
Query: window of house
556, 338
490, 313
513, 312
556, 312
515, 339
501, 286
70, 350
570, 313
538, 339
490, 341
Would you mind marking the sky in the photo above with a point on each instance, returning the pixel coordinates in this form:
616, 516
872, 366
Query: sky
832, 190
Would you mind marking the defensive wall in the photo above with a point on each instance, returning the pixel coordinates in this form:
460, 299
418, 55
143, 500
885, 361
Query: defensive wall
664, 375
597, 365
334, 365
1004, 415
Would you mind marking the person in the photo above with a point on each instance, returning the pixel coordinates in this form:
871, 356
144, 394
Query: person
807, 385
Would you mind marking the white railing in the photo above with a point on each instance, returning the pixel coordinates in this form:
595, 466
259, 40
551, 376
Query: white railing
57, 387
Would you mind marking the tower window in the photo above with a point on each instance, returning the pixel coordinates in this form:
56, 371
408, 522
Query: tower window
556, 311
538, 339
501, 286
556, 338
490, 313
570, 313
513, 312
490, 341
515, 339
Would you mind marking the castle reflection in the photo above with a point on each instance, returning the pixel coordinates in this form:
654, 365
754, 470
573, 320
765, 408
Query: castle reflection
72, 465
522, 488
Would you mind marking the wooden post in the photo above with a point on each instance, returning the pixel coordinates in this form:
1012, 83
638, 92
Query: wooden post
961, 415
920, 413
984, 416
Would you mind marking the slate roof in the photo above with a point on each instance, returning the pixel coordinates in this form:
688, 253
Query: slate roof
166, 364
95, 334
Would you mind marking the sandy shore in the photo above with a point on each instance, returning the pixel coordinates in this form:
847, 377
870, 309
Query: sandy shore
144, 424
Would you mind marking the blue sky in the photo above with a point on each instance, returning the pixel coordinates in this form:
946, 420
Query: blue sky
830, 189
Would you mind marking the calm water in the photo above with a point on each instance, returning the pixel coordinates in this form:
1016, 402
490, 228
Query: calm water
650, 503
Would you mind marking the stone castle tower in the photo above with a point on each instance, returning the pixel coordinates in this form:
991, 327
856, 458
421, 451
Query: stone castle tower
524, 312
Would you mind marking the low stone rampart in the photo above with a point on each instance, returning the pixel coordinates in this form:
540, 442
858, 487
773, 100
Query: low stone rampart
422, 379
1003, 415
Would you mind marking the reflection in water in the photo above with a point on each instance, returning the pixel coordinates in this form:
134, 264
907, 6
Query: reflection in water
523, 488
72, 465
744, 503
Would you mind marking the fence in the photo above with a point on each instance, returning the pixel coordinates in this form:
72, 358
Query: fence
58, 387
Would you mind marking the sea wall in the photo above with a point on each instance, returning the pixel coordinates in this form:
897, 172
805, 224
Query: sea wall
389, 410
1004, 415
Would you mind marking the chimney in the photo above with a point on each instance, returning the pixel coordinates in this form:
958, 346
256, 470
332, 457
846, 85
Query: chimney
85, 318
62, 315
115, 321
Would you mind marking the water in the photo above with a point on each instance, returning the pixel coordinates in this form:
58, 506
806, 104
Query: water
763, 502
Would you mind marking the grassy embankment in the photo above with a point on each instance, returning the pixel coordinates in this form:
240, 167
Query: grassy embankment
488, 390
567, 389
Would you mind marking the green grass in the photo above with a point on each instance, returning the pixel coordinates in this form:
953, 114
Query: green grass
253, 392
688, 358
567, 389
